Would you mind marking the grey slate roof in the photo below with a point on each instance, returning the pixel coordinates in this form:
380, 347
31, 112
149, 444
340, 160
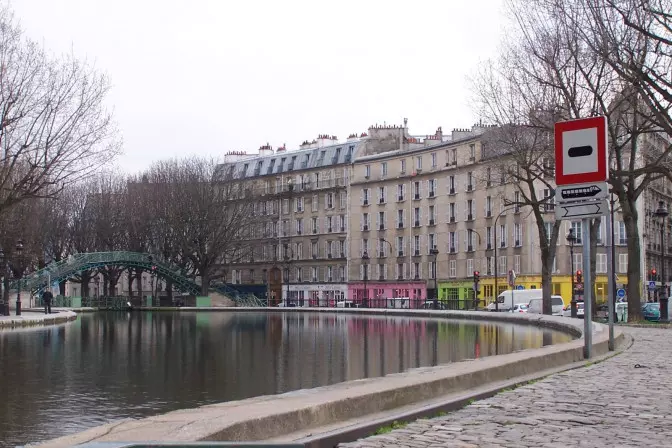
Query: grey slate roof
289, 161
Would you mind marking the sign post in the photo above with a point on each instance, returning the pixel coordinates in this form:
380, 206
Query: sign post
581, 178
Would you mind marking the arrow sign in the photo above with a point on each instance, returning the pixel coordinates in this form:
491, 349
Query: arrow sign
582, 210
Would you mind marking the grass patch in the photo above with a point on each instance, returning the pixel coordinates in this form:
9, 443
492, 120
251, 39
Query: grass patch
390, 428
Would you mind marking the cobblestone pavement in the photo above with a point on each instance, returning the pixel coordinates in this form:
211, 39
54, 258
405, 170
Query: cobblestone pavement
608, 404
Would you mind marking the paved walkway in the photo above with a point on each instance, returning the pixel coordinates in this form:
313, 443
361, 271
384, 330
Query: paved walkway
608, 404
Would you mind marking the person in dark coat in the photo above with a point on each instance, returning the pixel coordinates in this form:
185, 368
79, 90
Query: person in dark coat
47, 297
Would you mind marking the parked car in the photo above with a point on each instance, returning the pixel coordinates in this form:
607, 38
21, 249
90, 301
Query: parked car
651, 311
567, 312
429, 305
519, 308
535, 305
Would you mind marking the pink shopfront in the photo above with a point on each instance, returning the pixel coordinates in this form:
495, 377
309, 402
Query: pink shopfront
379, 294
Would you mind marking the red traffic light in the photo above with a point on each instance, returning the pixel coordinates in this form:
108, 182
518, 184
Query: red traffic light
476, 273
653, 272
578, 272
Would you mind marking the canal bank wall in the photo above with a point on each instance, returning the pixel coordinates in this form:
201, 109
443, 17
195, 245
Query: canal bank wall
35, 318
266, 417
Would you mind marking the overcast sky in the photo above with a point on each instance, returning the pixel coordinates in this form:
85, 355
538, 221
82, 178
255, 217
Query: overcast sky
209, 76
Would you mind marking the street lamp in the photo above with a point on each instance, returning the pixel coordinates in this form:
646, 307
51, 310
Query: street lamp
495, 256
365, 263
434, 251
662, 213
290, 190
19, 251
571, 239
4, 307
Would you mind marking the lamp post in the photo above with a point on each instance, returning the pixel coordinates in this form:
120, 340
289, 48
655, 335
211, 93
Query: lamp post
288, 260
381, 254
495, 256
365, 263
19, 251
571, 239
662, 213
435, 252
4, 307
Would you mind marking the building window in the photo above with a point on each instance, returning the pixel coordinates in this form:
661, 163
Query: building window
433, 160
417, 274
470, 267
516, 263
577, 228
452, 242
623, 263
367, 171
502, 235
453, 268
383, 169
400, 219
601, 264
432, 215
502, 265
401, 190
577, 262
470, 181
365, 196
431, 242
431, 187
381, 220
382, 195
451, 184
344, 199
416, 190
403, 166
517, 234
621, 234
315, 202
418, 163
472, 152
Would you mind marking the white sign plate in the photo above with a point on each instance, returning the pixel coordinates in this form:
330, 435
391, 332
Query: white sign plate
582, 209
581, 192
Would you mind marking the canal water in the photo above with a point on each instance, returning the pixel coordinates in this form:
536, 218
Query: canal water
107, 366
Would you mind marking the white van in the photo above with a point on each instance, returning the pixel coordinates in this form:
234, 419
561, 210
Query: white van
509, 298
536, 305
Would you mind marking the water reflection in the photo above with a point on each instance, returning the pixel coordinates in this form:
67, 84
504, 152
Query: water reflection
106, 366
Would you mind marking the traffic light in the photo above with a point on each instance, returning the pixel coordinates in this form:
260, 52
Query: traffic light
153, 268
477, 276
654, 274
579, 276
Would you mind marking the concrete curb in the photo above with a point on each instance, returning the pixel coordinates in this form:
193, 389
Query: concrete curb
267, 417
36, 320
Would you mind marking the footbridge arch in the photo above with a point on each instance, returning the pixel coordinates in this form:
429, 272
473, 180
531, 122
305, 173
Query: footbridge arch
76, 263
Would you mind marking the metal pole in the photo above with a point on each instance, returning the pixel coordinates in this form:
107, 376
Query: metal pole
587, 293
664, 317
612, 279
495, 263
572, 305
611, 290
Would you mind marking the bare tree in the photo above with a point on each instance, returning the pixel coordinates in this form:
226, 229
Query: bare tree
54, 127
204, 216
548, 66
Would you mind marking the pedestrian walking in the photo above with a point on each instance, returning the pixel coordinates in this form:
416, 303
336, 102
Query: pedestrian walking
47, 297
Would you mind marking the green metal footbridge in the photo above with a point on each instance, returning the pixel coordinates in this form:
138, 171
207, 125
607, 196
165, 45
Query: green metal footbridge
74, 264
